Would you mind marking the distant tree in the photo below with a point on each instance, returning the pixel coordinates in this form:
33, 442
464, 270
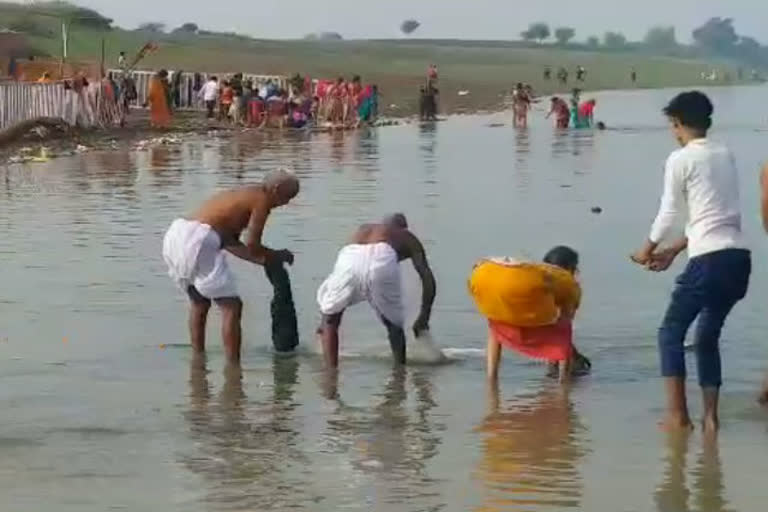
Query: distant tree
716, 35
188, 28
330, 36
593, 42
323, 36
408, 27
749, 44
564, 34
153, 27
536, 32
80, 15
614, 40
661, 38
749, 50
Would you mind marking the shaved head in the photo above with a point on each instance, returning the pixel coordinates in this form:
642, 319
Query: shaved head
397, 220
282, 184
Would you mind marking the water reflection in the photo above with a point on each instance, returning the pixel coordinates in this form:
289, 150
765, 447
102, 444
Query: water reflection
428, 140
522, 147
532, 450
582, 140
708, 489
246, 453
559, 146
162, 165
367, 147
389, 445
338, 139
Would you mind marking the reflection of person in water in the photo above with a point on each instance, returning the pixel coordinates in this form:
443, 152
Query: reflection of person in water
531, 453
389, 440
243, 460
708, 489
428, 102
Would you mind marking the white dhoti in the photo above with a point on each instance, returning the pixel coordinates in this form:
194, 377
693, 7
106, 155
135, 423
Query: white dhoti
192, 250
364, 272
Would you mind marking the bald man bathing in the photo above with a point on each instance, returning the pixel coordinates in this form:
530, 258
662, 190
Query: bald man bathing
369, 269
194, 250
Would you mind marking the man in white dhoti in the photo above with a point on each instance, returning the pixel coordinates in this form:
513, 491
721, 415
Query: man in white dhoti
194, 249
368, 270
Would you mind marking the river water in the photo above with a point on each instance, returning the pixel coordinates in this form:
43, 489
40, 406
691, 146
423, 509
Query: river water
104, 409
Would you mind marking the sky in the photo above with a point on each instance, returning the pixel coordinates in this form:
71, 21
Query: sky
463, 19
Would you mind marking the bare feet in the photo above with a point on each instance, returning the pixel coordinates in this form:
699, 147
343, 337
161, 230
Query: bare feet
674, 423
763, 397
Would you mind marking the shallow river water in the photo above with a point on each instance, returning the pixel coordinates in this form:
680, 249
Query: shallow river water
103, 408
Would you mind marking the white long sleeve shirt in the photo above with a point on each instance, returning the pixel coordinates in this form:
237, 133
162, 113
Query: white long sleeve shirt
210, 91
702, 179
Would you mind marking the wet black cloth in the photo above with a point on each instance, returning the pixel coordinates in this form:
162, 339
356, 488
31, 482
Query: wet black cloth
285, 330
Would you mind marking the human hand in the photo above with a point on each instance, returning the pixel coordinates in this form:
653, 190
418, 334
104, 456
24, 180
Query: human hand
641, 257
662, 260
421, 325
284, 256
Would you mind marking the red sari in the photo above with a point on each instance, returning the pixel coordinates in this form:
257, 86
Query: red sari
550, 342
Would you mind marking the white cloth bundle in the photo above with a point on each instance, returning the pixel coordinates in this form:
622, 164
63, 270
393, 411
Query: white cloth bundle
364, 272
192, 251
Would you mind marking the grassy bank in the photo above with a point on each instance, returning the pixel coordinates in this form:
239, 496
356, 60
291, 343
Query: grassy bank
485, 68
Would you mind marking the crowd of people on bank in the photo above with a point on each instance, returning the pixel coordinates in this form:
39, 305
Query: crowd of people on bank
241, 101
302, 103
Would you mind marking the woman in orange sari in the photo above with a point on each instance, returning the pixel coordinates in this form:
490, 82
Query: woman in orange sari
530, 309
159, 109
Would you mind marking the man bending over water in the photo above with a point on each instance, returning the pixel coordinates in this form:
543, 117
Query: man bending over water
368, 269
194, 249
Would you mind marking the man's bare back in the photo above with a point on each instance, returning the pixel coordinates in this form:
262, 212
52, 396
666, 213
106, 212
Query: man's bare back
400, 239
229, 212
232, 211
340, 291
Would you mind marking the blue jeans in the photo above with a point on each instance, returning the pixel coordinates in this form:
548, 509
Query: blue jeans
709, 288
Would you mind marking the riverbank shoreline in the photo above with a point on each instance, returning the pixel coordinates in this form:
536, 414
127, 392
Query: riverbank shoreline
42, 145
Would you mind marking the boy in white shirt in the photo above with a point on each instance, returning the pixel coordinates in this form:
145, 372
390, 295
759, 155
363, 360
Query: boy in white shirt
701, 180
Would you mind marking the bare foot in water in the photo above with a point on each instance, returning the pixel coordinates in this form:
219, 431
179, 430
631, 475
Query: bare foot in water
763, 397
676, 424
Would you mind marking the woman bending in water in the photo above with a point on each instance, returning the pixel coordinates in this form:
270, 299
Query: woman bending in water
530, 309
561, 112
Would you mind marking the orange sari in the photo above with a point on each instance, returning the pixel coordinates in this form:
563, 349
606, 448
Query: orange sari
160, 113
529, 306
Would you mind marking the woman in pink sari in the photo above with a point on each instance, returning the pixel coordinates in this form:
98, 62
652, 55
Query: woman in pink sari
355, 91
338, 94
